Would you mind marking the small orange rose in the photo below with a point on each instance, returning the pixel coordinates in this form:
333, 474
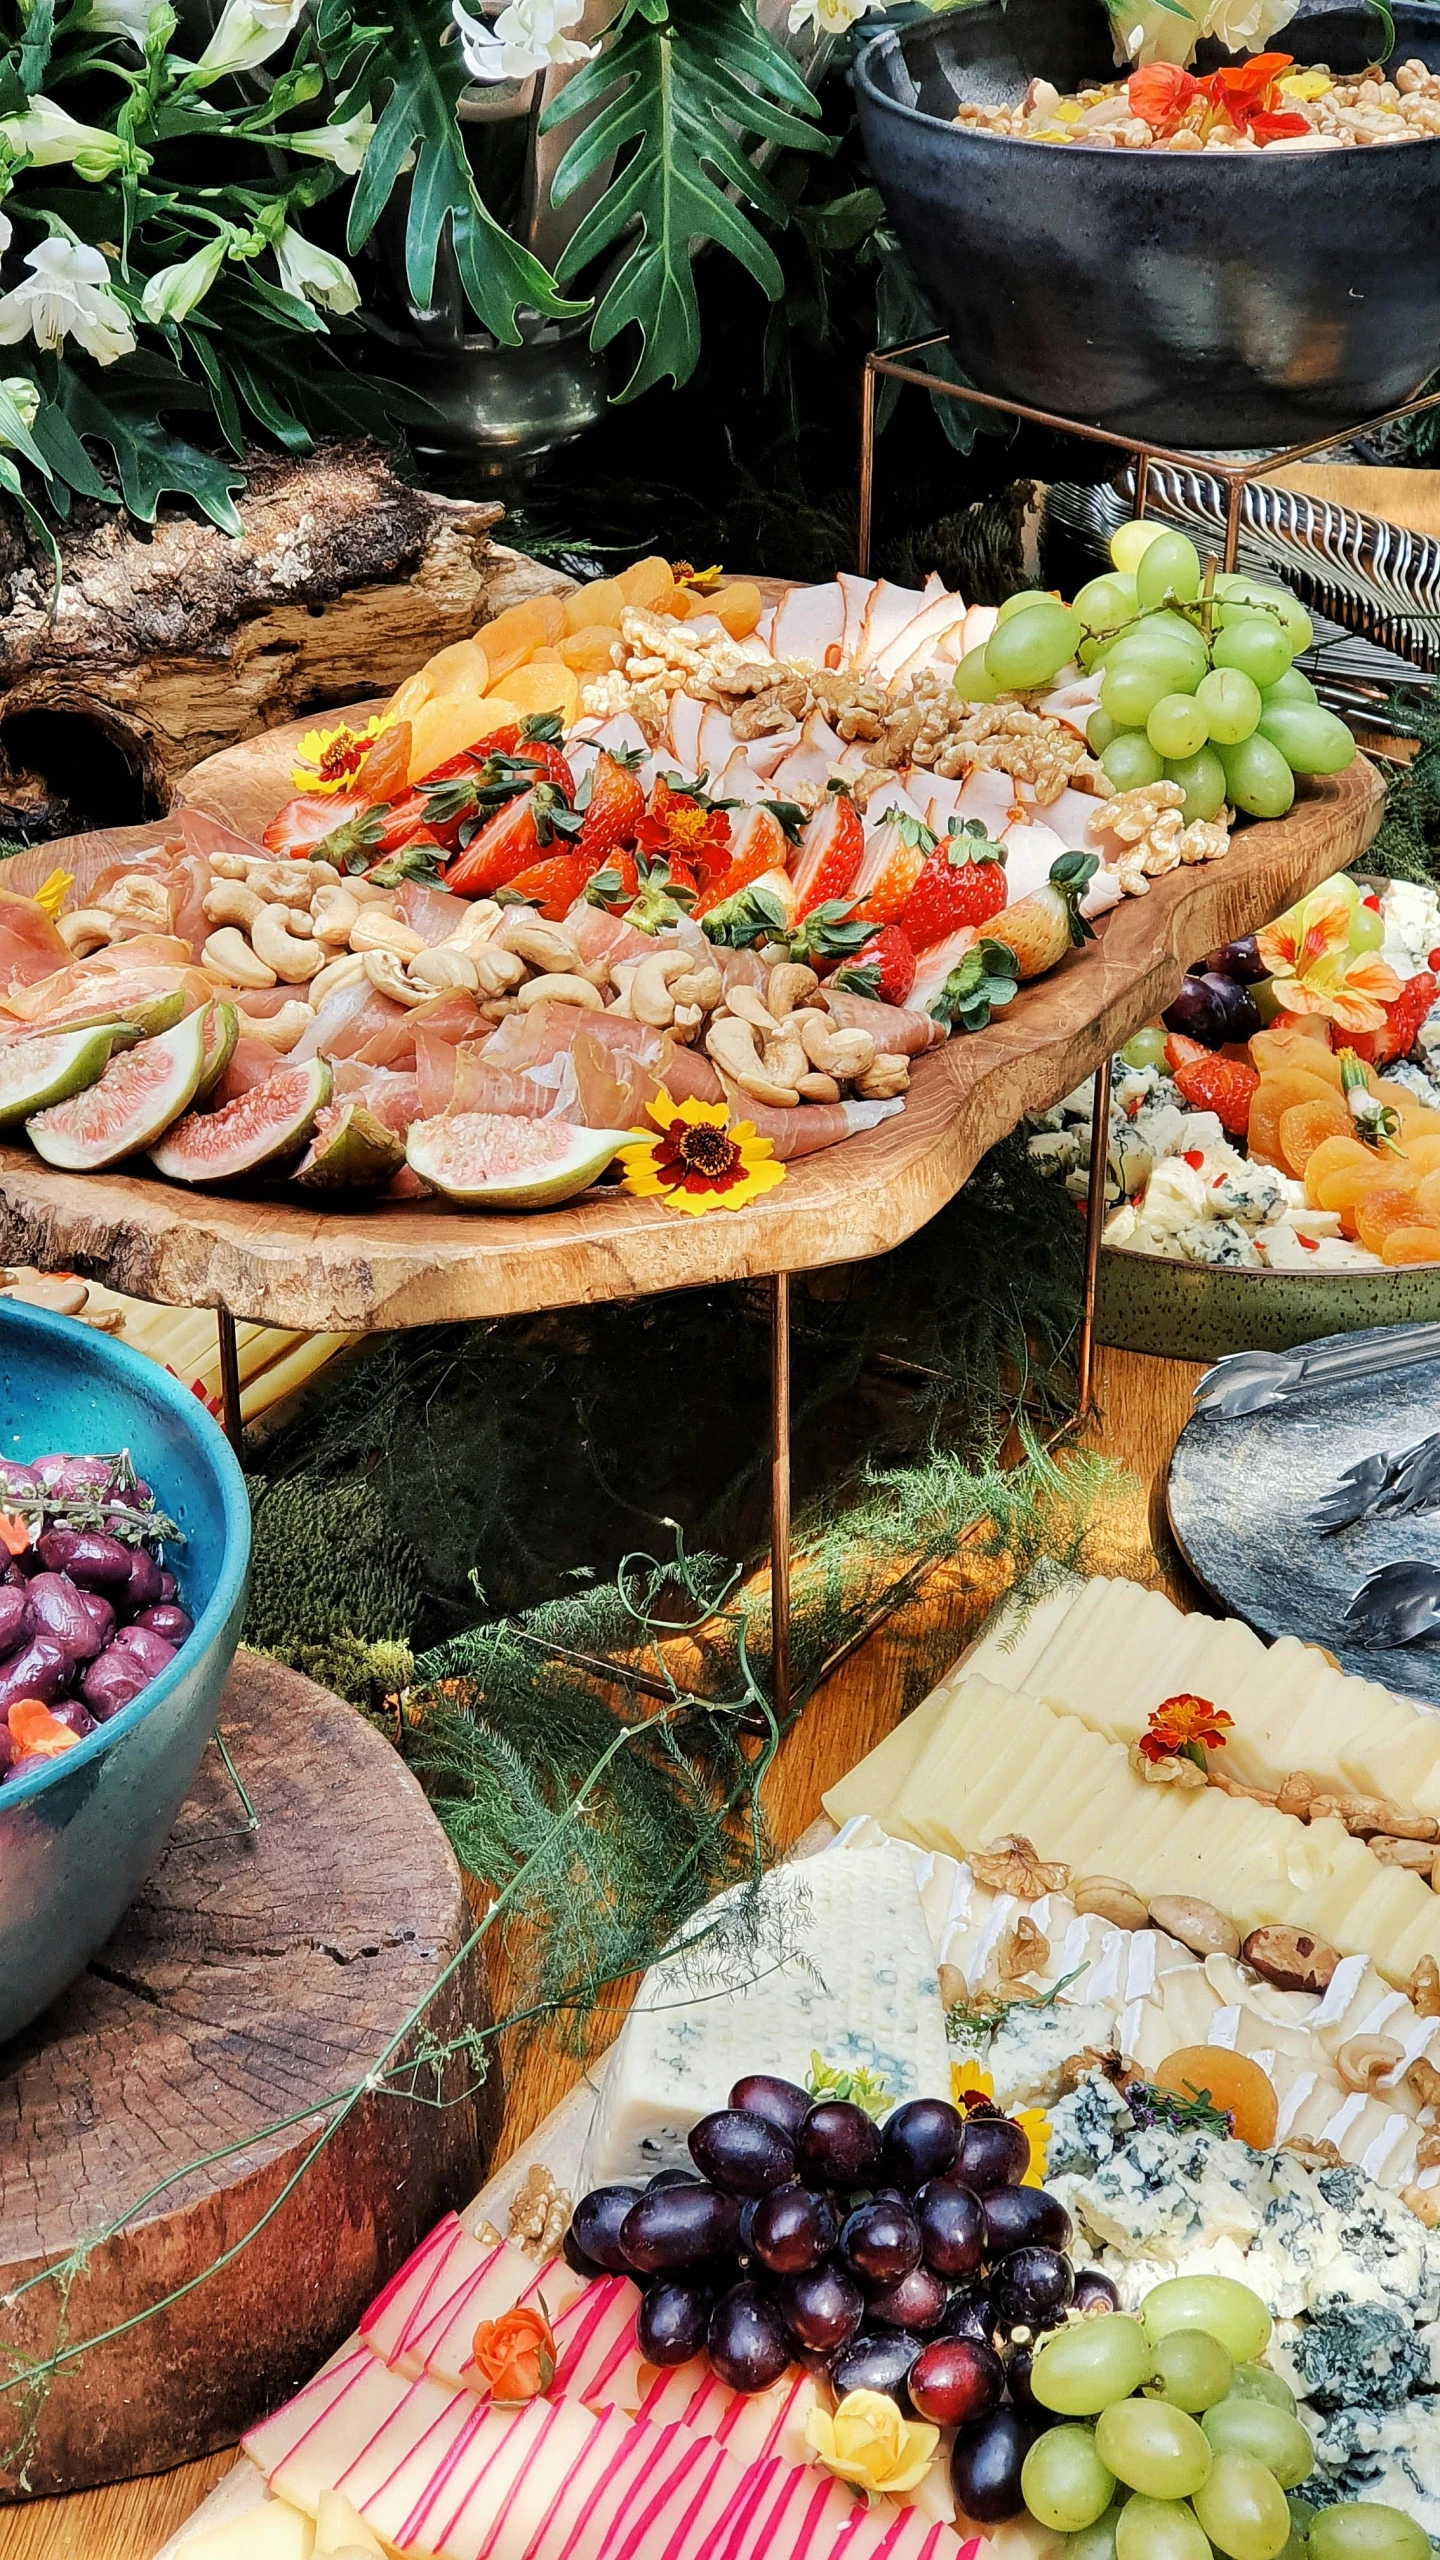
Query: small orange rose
515, 2355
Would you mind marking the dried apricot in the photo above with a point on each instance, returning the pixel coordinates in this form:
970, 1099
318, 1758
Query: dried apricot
1411, 1244
1305, 1124
646, 581
1422, 1152
1231, 2081
509, 640
1382, 1211
445, 728
1282, 1045
588, 651
738, 606
1340, 1155
601, 602
544, 685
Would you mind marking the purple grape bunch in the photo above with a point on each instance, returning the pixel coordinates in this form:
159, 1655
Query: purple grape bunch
89, 1615
907, 2259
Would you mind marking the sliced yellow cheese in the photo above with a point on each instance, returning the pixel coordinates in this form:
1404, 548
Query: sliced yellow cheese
869, 1786
998, 1761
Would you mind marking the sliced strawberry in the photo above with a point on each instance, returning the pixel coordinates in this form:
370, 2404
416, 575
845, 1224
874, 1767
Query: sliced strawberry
552, 885
962, 882
831, 852
614, 808
757, 845
511, 839
311, 815
1179, 1051
883, 967
1396, 1036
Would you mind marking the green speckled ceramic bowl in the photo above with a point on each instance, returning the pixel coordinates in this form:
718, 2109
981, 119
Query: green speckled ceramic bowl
1192, 1311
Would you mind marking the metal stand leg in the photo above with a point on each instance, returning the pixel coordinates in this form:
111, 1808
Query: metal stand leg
867, 466
1094, 1225
1234, 503
230, 1382
780, 1495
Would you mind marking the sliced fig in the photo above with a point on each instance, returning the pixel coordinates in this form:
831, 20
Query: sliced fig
497, 1160
350, 1150
261, 1127
47, 1067
222, 1030
136, 1098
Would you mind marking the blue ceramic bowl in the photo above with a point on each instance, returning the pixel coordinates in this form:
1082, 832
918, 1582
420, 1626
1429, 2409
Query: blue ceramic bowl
78, 1838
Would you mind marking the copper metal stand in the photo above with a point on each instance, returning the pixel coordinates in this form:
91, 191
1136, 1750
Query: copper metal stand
780, 1496
230, 1415
1094, 1230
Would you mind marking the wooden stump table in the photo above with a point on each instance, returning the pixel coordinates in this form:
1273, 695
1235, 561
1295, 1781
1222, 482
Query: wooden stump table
258, 1976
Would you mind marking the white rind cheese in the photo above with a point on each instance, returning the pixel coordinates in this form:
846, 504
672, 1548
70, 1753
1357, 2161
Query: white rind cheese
831, 1956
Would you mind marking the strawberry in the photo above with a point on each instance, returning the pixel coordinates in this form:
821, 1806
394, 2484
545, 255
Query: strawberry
647, 894
895, 855
552, 885
757, 845
305, 821
961, 882
829, 933
983, 980
1403, 1018
614, 805
510, 840
831, 852
1040, 929
1179, 1050
883, 967
1225, 1086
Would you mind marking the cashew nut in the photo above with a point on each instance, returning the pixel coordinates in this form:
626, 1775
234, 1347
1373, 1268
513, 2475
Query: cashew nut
1107, 1898
813, 1087
376, 932
230, 902
477, 924
281, 1030
386, 974
323, 875
230, 866
702, 986
281, 884
228, 955
889, 1075
441, 967
748, 1005
648, 995
334, 915
346, 971
85, 931
783, 1058
1365, 2061
731, 1043
688, 1018
291, 959
140, 899
496, 972
545, 946
836, 1053
560, 986
789, 984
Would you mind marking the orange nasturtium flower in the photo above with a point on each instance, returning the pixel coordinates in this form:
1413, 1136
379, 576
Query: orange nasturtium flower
1184, 1725
36, 1731
14, 1534
330, 758
1247, 97
515, 2355
1307, 952
701, 1160
1162, 94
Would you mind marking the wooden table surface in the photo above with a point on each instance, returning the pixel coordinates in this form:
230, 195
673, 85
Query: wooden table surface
1143, 1404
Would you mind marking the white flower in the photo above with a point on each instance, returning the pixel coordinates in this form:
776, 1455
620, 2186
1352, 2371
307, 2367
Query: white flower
67, 296
528, 35
172, 292
47, 136
312, 275
7, 232
1246, 26
23, 396
827, 17
343, 144
249, 31
127, 18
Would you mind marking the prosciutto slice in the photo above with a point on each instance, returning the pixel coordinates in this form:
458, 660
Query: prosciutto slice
804, 1128
895, 1029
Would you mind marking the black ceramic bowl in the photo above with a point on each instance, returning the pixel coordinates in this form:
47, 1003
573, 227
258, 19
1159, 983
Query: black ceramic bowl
1192, 300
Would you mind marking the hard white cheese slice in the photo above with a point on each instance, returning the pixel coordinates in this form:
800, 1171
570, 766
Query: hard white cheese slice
831, 1957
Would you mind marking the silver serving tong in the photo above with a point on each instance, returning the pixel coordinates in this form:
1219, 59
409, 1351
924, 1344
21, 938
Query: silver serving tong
1383, 1487
1257, 1381
1396, 1605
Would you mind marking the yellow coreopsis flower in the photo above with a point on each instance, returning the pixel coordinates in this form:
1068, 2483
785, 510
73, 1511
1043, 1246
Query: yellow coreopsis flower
970, 2080
869, 2443
1307, 952
701, 1160
54, 890
331, 758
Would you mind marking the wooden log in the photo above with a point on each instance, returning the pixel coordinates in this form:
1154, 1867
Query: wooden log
169, 647
252, 1979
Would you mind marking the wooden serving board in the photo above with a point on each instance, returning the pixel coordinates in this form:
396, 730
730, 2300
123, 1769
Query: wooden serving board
254, 1977
367, 1269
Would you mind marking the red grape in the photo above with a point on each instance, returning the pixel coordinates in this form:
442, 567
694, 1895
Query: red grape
1017, 2217
881, 2240
914, 2301
921, 2140
955, 2380
875, 2360
748, 2345
791, 2230
952, 2227
595, 2227
677, 2226
967, 2313
1094, 2292
1030, 2288
761, 2094
994, 2152
743, 2154
838, 2145
672, 2321
985, 2465
822, 2308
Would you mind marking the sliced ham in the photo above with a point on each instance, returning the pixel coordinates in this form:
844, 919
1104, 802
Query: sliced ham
31, 949
944, 794
760, 638
990, 796
809, 623
544, 1092
251, 1062
682, 729
348, 1018
809, 764
1104, 891
432, 913
804, 1128
895, 798
126, 973
980, 622
394, 1098
1073, 702
914, 644
1030, 849
886, 615
857, 593
896, 1029
738, 781
207, 836
763, 755
690, 1077
716, 742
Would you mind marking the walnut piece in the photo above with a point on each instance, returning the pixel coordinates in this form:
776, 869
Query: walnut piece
539, 2213
1014, 1865
1106, 2059
1424, 2203
1173, 1771
1316, 2155
1151, 837
1023, 1949
1424, 1988
1423, 2080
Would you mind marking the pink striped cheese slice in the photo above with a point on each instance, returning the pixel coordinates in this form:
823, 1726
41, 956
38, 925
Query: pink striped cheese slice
426, 2318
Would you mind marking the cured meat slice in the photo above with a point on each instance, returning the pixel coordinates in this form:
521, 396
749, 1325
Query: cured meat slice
895, 1028
857, 593
889, 610
809, 623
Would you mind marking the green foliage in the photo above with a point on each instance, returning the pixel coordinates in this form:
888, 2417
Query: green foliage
676, 92
1407, 845
334, 1586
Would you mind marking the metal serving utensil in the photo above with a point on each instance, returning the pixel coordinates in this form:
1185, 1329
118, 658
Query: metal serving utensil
1257, 1381
1383, 1487
1395, 1605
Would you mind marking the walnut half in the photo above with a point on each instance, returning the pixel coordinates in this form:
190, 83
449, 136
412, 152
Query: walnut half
1014, 1865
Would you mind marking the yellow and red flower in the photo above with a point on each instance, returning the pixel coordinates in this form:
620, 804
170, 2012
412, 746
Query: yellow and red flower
331, 758
1184, 1726
701, 1159
973, 2091
1307, 952
677, 824
1247, 97
515, 2355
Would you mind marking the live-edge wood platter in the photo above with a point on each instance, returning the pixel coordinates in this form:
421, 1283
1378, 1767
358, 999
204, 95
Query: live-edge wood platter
254, 1978
382, 1267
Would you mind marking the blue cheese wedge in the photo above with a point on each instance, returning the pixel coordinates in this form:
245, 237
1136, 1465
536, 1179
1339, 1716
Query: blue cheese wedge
831, 1956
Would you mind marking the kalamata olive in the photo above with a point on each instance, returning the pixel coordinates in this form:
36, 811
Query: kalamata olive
103, 1615
169, 1587
746, 2340
985, 2464
881, 2240
74, 1476
1094, 2292
574, 2256
1024, 2217
677, 2226
28, 1763
164, 1619
742, 2153
838, 2145
1031, 2287
1197, 1014
143, 1588
1238, 959
761, 2094
69, 1711
822, 2308
47, 1469
921, 2140
95, 1561
150, 1651
17, 1481
7, 1749
671, 2322
40, 1669
994, 2152
1241, 1013
59, 1611
109, 1683
952, 2227
876, 2360
1021, 2389
916, 2301
15, 1619
791, 2230
596, 2223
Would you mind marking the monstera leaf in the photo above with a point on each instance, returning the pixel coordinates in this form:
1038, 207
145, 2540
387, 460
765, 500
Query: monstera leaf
673, 96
